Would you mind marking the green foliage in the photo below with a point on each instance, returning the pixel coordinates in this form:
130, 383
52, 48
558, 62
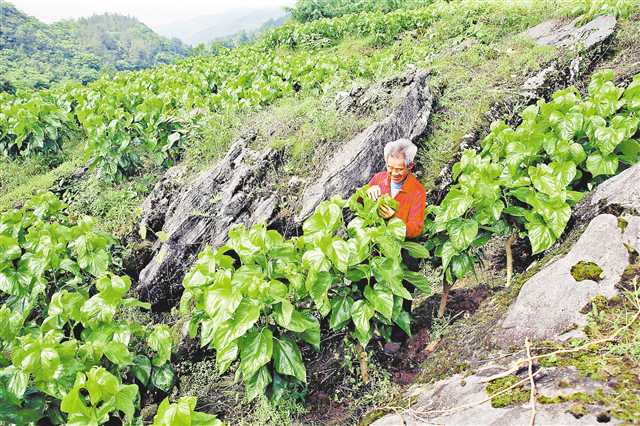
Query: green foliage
41, 248
526, 179
311, 10
589, 9
383, 27
146, 116
37, 124
134, 119
161, 342
182, 413
106, 394
34, 54
260, 296
62, 339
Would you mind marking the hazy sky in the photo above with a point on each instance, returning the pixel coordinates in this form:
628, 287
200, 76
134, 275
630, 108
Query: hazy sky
151, 12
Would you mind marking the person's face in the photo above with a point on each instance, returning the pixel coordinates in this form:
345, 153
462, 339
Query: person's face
397, 169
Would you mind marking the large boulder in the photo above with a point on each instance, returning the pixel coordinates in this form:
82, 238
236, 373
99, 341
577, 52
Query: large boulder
618, 194
244, 187
201, 213
358, 159
622, 190
550, 303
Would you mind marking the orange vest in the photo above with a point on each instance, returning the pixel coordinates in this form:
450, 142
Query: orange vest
412, 200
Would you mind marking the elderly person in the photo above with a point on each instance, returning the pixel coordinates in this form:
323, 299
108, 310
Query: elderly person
401, 184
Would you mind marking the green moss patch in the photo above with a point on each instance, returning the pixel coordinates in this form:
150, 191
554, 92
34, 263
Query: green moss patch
622, 224
582, 271
630, 277
578, 410
513, 396
614, 363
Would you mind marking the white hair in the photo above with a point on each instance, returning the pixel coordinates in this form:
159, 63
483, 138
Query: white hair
401, 148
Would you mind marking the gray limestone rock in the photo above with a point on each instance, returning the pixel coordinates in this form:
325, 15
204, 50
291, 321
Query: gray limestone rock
558, 33
618, 194
549, 303
358, 159
201, 213
622, 190
241, 188
460, 401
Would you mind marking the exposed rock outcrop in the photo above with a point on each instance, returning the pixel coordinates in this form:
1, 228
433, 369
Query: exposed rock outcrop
558, 33
564, 35
617, 195
358, 159
462, 400
242, 187
202, 212
622, 190
549, 303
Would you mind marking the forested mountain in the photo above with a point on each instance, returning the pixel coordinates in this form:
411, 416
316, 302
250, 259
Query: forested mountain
208, 28
243, 37
35, 54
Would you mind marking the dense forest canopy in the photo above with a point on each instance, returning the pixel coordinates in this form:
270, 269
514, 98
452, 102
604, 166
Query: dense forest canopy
35, 54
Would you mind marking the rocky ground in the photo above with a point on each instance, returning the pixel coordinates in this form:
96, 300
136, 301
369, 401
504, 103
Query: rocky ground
484, 351
552, 306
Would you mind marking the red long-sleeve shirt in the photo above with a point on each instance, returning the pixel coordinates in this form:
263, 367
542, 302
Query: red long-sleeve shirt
412, 200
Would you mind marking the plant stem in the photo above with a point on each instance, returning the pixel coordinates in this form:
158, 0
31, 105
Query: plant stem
443, 300
364, 363
507, 247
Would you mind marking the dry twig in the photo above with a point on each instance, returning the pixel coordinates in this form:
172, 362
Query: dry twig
446, 287
532, 383
519, 363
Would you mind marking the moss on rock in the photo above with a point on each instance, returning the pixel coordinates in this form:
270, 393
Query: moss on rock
586, 271
622, 224
578, 410
513, 396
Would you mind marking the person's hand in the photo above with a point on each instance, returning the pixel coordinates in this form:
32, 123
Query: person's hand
386, 212
374, 192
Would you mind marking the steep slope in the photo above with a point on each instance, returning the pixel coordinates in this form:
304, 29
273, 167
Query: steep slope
35, 54
296, 131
